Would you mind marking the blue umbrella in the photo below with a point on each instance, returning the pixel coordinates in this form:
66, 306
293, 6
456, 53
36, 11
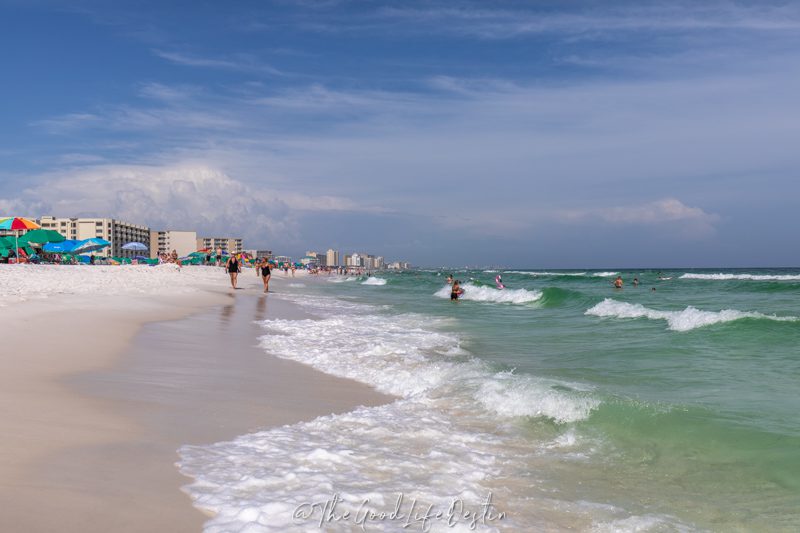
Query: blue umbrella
137, 246
90, 245
63, 247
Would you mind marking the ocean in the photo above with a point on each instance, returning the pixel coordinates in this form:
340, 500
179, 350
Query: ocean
566, 403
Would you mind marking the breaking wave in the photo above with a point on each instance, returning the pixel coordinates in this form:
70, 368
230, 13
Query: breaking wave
685, 320
488, 294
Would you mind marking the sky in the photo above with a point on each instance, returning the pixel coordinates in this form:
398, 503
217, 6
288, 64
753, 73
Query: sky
553, 134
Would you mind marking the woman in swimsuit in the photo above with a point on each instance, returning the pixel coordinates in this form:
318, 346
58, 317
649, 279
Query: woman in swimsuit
265, 273
232, 266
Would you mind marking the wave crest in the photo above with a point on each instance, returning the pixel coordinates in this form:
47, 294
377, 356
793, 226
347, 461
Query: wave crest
685, 320
488, 294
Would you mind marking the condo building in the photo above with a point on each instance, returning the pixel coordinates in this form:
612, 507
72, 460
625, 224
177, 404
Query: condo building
163, 242
332, 258
229, 244
117, 232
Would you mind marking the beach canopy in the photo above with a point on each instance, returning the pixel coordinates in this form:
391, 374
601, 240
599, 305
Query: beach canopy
136, 246
64, 247
42, 236
90, 245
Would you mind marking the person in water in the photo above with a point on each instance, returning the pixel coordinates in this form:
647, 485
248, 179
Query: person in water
456, 290
635, 282
450, 279
618, 282
263, 269
233, 267
498, 280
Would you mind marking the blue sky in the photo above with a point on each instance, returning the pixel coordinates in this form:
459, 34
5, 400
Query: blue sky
541, 134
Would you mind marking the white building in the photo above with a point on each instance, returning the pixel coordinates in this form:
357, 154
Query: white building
117, 232
332, 258
163, 242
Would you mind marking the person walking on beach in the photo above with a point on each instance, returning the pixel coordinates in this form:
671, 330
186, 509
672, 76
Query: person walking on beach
263, 268
232, 267
618, 282
219, 256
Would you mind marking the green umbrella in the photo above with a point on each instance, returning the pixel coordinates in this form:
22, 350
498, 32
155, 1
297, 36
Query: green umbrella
42, 236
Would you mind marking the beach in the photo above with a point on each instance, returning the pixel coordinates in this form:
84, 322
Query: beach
106, 373
161, 399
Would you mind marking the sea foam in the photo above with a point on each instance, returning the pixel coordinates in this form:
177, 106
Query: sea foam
685, 320
743, 277
488, 294
438, 441
372, 280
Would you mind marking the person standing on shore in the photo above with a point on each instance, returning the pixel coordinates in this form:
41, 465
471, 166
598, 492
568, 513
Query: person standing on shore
263, 268
219, 256
232, 267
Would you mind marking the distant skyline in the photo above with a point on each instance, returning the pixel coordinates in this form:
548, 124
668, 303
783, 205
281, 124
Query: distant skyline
530, 134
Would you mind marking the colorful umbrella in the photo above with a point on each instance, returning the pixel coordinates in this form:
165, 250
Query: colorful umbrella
17, 224
90, 245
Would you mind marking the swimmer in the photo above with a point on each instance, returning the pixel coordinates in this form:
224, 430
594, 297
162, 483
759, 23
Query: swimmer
450, 279
498, 280
635, 282
456, 291
618, 282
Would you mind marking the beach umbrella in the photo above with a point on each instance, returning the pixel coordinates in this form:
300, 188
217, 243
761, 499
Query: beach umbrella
17, 224
136, 246
42, 236
90, 245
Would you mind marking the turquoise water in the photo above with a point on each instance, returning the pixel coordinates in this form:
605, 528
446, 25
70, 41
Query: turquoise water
695, 384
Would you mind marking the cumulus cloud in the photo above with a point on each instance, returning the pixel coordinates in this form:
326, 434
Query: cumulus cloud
667, 211
180, 196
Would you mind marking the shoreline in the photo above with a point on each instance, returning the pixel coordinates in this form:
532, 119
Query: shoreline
95, 426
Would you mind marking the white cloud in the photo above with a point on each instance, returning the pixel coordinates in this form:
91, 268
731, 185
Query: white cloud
181, 196
241, 62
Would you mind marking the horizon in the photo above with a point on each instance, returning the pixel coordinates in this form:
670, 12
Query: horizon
428, 131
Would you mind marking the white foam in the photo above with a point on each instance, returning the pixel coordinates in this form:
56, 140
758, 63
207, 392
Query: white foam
340, 279
488, 294
575, 274
23, 282
372, 280
512, 395
439, 441
685, 320
604, 274
743, 277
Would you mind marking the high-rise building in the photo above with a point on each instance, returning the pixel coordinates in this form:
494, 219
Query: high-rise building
332, 258
117, 232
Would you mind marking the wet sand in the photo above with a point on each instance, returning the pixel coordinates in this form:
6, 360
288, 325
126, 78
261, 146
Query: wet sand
95, 443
